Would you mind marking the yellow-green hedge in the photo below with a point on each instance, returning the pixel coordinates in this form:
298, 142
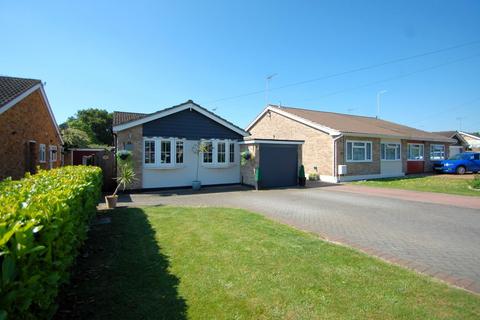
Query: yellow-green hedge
43, 221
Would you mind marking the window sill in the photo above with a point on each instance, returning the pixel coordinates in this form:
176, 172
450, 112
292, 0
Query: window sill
165, 167
415, 159
389, 160
359, 161
218, 165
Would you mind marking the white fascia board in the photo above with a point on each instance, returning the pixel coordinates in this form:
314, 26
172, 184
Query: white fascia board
270, 142
42, 90
369, 135
468, 135
179, 108
26, 94
289, 115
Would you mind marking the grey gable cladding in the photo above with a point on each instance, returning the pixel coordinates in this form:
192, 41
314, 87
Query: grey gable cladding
188, 124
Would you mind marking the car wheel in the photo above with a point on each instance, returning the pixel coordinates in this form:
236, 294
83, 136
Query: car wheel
460, 170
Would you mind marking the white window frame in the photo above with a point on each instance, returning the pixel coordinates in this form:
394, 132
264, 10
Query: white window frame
443, 152
158, 152
366, 143
422, 149
202, 154
215, 162
149, 164
231, 151
171, 151
391, 145
225, 148
177, 143
51, 153
42, 150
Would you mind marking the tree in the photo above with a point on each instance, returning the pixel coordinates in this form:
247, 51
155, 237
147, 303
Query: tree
97, 123
75, 138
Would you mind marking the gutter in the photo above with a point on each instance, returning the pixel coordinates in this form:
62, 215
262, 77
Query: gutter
335, 167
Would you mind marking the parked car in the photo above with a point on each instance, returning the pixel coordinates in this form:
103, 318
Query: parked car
459, 163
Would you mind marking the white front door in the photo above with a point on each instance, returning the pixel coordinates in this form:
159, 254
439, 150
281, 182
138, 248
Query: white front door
391, 158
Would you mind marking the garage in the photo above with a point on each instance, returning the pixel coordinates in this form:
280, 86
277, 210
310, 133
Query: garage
270, 163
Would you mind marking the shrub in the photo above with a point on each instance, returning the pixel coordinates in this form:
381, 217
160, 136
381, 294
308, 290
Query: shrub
43, 221
313, 176
475, 183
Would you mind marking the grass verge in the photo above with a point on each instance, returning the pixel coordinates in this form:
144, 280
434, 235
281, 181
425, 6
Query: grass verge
216, 263
441, 184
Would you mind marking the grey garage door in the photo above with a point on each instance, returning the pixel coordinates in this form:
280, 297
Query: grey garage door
278, 165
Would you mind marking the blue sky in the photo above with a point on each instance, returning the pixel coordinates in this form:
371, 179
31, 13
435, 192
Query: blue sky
142, 56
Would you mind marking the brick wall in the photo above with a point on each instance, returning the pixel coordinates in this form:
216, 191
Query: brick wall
28, 120
133, 136
317, 151
247, 171
359, 168
428, 164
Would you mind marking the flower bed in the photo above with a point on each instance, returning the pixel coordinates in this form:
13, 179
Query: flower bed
43, 221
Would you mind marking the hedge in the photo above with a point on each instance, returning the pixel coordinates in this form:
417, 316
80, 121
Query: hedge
43, 222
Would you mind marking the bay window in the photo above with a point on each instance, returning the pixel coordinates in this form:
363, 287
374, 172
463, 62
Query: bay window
218, 153
359, 151
163, 152
390, 151
415, 152
437, 151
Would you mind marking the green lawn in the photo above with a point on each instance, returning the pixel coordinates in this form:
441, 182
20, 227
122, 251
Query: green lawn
212, 263
441, 183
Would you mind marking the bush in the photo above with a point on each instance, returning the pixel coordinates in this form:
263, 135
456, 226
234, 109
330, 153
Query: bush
313, 177
43, 221
475, 183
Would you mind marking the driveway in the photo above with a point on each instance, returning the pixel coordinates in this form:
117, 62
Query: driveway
437, 239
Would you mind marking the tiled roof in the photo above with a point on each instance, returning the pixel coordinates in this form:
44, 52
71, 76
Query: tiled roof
122, 117
447, 134
11, 87
346, 124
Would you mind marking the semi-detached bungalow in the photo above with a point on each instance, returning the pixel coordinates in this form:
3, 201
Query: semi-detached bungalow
341, 147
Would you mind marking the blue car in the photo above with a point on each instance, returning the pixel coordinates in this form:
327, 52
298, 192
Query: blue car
459, 163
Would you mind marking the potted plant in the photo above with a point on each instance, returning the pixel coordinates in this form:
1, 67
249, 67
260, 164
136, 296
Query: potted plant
198, 149
245, 156
126, 175
301, 176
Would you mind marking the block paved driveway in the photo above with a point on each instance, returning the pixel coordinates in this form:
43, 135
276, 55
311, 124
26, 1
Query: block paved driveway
440, 240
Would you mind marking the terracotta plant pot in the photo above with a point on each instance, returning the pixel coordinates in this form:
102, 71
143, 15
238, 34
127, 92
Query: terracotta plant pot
111, 201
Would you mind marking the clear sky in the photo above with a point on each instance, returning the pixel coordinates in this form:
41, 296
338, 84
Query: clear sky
143, 56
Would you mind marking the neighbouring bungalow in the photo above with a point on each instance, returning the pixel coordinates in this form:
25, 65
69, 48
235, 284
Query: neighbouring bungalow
340, 147
166, 146
463, 141
29, 134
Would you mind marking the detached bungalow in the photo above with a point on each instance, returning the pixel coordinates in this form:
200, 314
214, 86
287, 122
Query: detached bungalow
165, 146
340, 147
29, 134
